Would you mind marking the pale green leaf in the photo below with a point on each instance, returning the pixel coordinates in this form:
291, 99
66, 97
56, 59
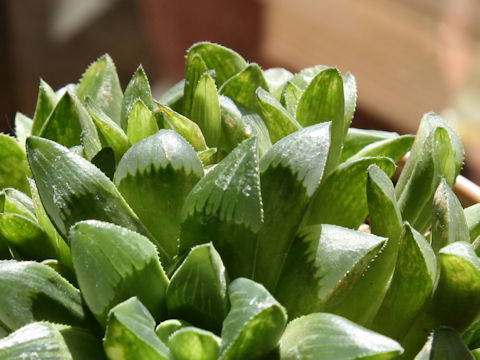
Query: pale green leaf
174, 97
168, 327
190, 343
276, 79
13, 164
23, 128
137, 89
46, 101
15, 201
290, 96
394, 148
141, 122
357, 139
195, 67
350, 95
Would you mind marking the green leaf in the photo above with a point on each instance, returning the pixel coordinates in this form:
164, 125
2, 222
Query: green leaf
31, 291
195, 67
105, 161
437, 152
290, 96
357, 139
38, 340
259, 130
137, 89
448, 220
224, 61
254, 324
141, 122
472, 216
350, 95
342, 197
184, 126
444, 344
113, 264
46, 101
69, 124
276, 79
235, 129
206, 110
277, 119
13, 165
168, 327
394, 148
242, 86
155, 176
130, 334
190, 343
412, 283
23, 128
323, 267
198, 289
305, 76
112, 132
331, 337
15, 201
26, 237
225, 207
100, 82
290, 174
207, 157
72, 189
83, 344
173, 97
323, 100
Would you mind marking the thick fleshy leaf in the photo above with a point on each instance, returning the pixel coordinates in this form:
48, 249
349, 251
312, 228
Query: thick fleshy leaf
173, 97
195, 67
70, 125
448, 220
141, 122
456, 301
258, 128
184, 126
357, 139
198, 289
130, 334
224, 61
23, 128
13, 164
225, 207
350, 95
105, 161
30, 291
305, 76
16, 202
38, 340
331, 337
26, 238
444, 344
137, 89
437, 152
277, 119
206, 110
254, 324
113, 134
242, 86
100, 82
290, 174
155, 176
276, 79
290, 96
191, 343
166, 328
472, 215
342, 197
82, 343
46, 101
412, 283
322, 268
113, 264
394, 148
323, 100
72, 189
207, 157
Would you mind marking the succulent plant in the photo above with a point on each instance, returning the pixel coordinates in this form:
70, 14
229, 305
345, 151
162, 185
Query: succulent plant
238, 216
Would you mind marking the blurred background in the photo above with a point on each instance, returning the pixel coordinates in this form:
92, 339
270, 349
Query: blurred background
408, 56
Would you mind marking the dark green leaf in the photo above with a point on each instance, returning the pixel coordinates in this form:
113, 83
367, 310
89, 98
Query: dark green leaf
69, 124
100, 82
173, 97
394, 148
155, 176
46, 101
278, 121
342, 198
113, 264
331, 337
23, 128
130, 334
83, 344
444, 344
225, 207
72, 189
137, 89
195, 67
254, 324
357, 139
191, 343
206, 110
141, 122
198, 289
31, 291
276, 79
290, 174
13, 164
105, 161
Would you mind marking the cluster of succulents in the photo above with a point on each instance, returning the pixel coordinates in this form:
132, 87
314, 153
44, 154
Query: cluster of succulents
238, 216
